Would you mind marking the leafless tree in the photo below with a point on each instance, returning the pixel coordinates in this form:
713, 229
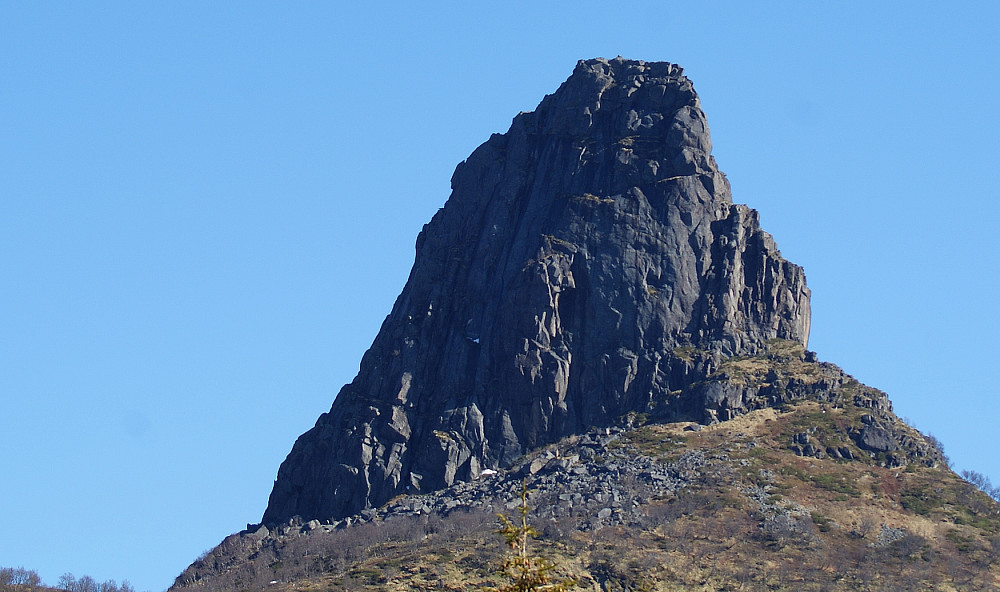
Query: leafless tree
19, 579
70, 583
983, 483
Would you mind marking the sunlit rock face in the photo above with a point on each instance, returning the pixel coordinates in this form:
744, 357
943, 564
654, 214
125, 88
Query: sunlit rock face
580, 259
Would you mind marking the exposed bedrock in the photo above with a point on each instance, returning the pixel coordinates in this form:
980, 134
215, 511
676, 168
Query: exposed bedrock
577, 260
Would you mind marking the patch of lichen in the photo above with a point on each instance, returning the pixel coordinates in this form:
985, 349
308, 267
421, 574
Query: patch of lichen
827, 426
685, 352
588, 198
781, 362
655, 441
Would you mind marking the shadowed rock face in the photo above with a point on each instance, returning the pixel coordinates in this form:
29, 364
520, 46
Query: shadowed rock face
580, 259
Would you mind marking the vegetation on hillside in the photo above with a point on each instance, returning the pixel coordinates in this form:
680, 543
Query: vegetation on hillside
526, 572
20, 579
756, 516
810, 483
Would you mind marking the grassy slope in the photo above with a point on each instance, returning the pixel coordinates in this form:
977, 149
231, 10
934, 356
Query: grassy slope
755, 516
760, 518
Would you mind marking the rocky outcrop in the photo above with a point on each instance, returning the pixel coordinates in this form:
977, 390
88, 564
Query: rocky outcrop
581, 258
635, 479
586, 482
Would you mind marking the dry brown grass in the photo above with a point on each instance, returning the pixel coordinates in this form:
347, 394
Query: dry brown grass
817, 530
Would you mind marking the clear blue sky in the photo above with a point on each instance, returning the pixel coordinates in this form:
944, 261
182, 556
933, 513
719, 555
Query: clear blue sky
207, 211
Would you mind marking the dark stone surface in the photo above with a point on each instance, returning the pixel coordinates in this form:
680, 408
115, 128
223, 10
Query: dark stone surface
876, 439
580, 258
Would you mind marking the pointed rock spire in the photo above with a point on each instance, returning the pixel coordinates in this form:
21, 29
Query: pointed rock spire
580, 259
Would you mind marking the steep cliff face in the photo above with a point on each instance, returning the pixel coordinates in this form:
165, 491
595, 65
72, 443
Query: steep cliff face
580, 259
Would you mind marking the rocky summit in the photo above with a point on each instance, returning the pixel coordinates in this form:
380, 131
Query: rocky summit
594, 331
580, 261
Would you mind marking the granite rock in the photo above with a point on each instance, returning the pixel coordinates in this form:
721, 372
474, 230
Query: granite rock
579, 260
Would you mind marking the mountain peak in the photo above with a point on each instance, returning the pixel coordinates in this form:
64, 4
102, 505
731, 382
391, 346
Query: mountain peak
641, 120
588, 264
